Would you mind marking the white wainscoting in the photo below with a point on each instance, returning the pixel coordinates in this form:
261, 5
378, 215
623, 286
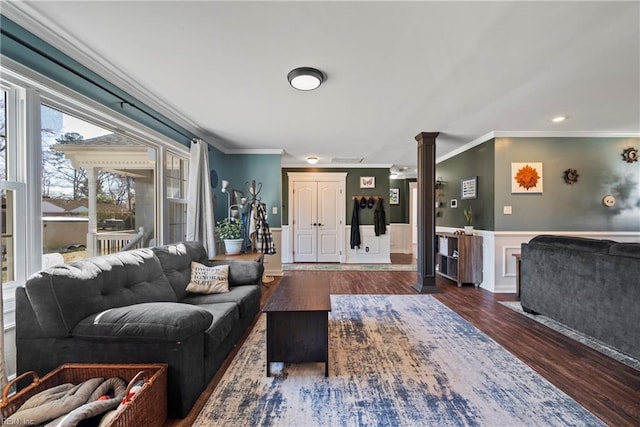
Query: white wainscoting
379, 246
498, 248
400, 238
373, 250
507, 243
273, 263
287, 250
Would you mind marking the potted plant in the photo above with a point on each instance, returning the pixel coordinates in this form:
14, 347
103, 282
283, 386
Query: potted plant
468, 214
230, 231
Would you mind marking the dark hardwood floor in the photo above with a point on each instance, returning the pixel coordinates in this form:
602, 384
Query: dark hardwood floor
607, 388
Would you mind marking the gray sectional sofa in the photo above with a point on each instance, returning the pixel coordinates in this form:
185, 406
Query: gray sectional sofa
132, 307
590, 285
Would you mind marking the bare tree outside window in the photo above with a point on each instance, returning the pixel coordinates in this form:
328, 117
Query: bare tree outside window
124, 174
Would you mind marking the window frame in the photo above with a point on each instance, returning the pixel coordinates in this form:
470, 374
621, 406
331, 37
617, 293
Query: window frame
27, 90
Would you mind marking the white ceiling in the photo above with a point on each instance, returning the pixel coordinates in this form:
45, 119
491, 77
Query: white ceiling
394, 69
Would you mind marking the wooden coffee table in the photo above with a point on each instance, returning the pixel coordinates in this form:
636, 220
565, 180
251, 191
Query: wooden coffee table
298, 322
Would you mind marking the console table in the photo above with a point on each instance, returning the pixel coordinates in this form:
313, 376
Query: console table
298, 322
459, 258
247, 256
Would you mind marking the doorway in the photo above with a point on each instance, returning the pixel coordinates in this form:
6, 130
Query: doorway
317, 213
413, 217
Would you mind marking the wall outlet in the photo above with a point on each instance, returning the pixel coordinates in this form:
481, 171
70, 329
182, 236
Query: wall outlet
507, 210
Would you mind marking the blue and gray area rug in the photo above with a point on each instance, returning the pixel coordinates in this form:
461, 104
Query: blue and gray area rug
395, 360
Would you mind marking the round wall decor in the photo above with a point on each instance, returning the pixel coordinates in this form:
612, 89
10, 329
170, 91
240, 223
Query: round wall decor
630, 155
213, 177
571, 176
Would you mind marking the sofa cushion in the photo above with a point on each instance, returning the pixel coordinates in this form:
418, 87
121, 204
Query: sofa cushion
242, 272
63, 295
245, 296
225, 317
573, 243
176, 263
631, 250
156, 321
208, 280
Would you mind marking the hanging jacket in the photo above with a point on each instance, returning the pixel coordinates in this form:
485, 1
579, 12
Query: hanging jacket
355, 226
379, 218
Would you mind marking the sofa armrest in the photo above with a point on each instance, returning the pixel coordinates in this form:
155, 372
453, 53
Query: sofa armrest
242, 272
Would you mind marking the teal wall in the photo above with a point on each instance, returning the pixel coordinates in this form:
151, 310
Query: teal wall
32, 52
353, 189
240, 170
576, 207
478, 161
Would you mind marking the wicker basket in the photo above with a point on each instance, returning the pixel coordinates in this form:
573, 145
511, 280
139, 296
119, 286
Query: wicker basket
148, 407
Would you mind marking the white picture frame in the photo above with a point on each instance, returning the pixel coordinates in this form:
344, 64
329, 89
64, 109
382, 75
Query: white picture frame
367, 182
469, 188
526, 177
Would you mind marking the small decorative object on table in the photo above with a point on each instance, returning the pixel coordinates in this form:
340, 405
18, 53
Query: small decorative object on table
468, 214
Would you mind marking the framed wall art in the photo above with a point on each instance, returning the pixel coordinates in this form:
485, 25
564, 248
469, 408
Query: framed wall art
367, 182
394, 196
526, 177
469, 188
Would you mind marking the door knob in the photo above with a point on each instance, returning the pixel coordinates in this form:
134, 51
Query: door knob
314, 224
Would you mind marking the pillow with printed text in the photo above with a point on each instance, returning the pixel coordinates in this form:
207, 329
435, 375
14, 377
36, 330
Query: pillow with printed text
208, 280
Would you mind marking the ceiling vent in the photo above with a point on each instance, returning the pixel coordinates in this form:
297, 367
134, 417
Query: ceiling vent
347, 159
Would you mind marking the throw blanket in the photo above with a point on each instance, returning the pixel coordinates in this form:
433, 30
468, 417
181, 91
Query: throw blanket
264, 237
68, 404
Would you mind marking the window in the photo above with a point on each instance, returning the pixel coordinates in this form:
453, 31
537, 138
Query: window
176, 179
98, 188
6, 219
55, 144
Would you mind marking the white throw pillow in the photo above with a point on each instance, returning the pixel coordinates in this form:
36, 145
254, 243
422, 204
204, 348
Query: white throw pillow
208, 280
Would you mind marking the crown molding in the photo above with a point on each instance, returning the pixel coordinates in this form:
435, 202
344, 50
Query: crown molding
335, 165
535, 134
564, 134
25, 15
278, 151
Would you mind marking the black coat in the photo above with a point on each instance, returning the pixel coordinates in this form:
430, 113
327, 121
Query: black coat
379, 218
355, 226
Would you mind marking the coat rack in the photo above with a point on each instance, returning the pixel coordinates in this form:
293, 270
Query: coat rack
254, 190
366, 197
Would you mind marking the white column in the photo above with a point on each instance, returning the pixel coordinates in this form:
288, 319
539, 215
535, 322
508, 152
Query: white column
92, 249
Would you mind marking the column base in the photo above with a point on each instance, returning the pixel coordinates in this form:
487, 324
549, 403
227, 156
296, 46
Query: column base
425, 289
426, 285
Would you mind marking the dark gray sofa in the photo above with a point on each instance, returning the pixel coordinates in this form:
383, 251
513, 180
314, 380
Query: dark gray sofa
590, 285
132, 307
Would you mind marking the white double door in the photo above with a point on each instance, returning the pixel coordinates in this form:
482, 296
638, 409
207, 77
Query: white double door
317, 221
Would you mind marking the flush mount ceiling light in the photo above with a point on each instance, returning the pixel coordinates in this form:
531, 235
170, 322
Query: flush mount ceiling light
312, 160
559, 119
305, 78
